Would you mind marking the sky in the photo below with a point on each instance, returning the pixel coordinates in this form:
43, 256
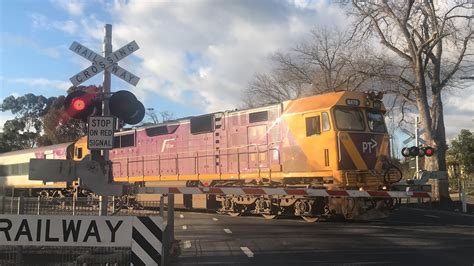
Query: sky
195, 56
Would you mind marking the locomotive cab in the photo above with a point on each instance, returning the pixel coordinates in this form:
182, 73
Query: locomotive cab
344, 142
363, 143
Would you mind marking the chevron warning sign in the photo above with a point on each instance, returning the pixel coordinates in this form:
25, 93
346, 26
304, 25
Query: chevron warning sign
147, 241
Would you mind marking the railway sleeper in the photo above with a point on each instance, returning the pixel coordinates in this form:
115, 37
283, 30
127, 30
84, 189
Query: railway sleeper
351, 208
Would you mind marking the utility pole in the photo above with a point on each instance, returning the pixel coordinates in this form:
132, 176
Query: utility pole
106, 51
417, 143
125, 106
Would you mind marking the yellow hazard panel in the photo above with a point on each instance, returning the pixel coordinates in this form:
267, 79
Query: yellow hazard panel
80, 149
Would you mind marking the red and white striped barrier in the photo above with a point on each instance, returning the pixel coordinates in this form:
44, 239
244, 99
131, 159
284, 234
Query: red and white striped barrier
284, 191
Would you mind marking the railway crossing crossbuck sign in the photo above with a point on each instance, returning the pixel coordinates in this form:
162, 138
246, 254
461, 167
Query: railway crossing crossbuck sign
100, 63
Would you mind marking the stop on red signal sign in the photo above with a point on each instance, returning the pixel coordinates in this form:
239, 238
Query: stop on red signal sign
100, 132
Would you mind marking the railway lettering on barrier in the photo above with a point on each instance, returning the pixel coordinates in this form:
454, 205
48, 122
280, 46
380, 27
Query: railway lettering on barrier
38, 230
144, 235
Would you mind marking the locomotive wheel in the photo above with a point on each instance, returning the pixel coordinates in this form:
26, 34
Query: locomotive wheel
234, 214
269, 216
310, 219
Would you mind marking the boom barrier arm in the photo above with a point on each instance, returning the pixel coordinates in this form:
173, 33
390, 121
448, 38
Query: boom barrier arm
92, 174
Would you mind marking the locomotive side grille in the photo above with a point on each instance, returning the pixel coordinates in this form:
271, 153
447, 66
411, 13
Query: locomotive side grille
357, 179
218, 126
326, 157
218, 121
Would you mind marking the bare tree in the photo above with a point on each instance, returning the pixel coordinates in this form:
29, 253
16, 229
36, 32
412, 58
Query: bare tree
154, 118
327, 61
432, 43
272, 88
166, 116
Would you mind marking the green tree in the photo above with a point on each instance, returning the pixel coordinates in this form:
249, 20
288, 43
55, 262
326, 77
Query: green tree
58, 127
39, 121
22, 131
461, 152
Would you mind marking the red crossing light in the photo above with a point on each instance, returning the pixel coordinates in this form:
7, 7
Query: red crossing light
429, 151
80, 104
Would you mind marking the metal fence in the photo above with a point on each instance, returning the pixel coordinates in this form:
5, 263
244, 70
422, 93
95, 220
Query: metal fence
74, 206
468, 186
50, 255
44, 255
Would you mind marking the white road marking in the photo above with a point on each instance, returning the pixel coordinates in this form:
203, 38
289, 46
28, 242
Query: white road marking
187, 244
247, 251
181, 216
431, 216
184, 227
215, 219
227, 231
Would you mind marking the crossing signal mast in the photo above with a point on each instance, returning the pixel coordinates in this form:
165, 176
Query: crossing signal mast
97, 107
418, 150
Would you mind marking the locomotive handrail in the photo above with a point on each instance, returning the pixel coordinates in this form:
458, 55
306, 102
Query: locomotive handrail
128, 174
217, 168
143, 167
339, 145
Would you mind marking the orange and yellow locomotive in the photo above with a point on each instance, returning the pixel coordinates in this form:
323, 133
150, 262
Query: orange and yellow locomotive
335, 141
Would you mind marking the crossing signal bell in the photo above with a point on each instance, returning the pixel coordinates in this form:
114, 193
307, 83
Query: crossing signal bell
417, 151
125, 106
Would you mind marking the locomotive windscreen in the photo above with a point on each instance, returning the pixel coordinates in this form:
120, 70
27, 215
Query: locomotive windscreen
349, 119
376, 121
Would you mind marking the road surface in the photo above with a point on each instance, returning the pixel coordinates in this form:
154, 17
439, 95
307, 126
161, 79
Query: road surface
409, 237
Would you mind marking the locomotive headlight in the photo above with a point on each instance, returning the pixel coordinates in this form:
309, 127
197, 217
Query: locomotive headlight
377, 104
372, 95
353, 102
379, 95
